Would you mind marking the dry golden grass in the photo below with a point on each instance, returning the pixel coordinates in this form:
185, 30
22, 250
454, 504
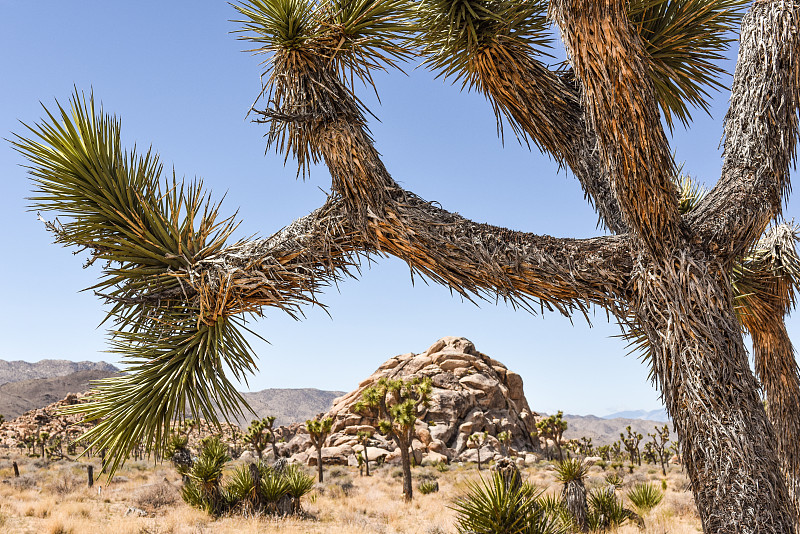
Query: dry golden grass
54, 499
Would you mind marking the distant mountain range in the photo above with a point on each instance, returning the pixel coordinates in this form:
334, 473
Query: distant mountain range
27, 386
652, 415
605, 430
18, 371
18, 397
288, 405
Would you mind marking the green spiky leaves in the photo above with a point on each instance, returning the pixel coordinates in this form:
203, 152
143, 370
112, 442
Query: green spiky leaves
453, 33
355, 35
176, 335
685, 40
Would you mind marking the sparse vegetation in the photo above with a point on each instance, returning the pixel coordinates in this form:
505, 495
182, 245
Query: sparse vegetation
319, 431
394, 403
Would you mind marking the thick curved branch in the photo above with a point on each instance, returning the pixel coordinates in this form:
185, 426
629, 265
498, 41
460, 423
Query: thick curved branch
761, 130
471, 258
610, 63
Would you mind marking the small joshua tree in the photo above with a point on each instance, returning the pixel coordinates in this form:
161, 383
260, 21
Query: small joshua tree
571, 473
477, 441
631, 443
660, 446
553, 428
364, 437
319, 431
394, 403
504, 438
260, 434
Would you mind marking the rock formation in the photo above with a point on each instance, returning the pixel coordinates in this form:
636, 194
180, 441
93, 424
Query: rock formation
471, 393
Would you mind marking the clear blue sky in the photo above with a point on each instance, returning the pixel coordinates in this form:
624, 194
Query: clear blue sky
178, 80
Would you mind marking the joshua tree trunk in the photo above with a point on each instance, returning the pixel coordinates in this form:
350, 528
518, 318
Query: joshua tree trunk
574, 496
405, 460
479, 458
686, 311
366, 460
319, 463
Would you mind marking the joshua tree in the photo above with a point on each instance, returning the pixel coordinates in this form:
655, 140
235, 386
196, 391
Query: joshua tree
260, 434
477, 441
395, 404
669, 271
553, 428
631, 443
659, 442
572, 473
364, 437
504, 438
319, 430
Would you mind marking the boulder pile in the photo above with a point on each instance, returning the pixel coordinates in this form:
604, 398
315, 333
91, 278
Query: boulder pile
472, 393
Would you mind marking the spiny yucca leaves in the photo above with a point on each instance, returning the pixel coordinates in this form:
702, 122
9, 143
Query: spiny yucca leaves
453, 32
312, 66
491, 506
685, 40
277, 25
570, 470
355, 35
644, 497
113, 203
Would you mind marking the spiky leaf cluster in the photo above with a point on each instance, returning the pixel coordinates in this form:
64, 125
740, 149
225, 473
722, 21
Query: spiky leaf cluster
454, 33
150, 233
239, 493
490, 506
395, 403
686, 40
644, 497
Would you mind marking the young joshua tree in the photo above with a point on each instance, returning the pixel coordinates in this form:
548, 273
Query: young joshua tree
631, 442
476, 441
319, 430
670, 270
364, 438
553, 428
659, 442
260, 435
572, 473
395, 404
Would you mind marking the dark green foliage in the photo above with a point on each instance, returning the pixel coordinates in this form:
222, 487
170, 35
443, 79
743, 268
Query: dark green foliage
428, 486
606, 510
645, 497
203, 487
493, 507
685, 40
239, 493
144, 228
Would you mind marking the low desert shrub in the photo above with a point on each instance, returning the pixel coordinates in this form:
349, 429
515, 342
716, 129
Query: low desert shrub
156, 496
428, 486
645, 497
491, 506
24, 482
277, 491
63, 485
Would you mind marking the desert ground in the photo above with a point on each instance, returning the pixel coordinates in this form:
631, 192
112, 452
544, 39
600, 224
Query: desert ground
54, 498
